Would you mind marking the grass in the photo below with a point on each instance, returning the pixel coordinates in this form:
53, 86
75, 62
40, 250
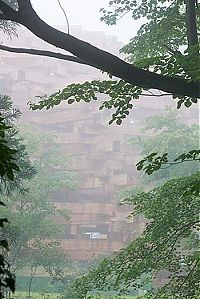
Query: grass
35, 295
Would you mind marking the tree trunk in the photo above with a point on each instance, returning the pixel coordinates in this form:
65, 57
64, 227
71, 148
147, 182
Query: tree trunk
32, 274
191, 23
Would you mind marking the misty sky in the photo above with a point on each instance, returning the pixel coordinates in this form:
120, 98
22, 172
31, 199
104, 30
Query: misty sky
85, 13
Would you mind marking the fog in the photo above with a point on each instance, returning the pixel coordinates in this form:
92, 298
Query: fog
77, 169
86, 14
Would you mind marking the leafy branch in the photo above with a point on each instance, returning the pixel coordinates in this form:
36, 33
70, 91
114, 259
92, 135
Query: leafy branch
153, 162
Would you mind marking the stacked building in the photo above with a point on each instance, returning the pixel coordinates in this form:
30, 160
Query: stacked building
100, 154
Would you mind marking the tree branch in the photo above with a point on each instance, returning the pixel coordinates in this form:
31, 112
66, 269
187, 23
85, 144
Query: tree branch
101, 59
156, 95
44, 53
24, 4
8, 13
189, 274
66, 18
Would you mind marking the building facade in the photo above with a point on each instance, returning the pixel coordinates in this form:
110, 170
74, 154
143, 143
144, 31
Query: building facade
100, 154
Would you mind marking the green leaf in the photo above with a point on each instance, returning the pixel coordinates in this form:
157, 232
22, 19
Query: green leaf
2, 221
187, 103
118, 121
4, 244
179, 104
71, 101
10, 281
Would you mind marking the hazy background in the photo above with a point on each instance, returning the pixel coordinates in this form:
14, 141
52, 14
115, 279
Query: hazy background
85, 13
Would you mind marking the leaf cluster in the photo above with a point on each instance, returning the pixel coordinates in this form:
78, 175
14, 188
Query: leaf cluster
8, 165
169, 149
7, 278
8, 27
14, 156
120, 95
168, 243
164, 25
154, 162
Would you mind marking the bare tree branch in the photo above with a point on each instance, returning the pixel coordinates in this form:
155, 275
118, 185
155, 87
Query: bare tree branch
155, 95
66, 18
44, 53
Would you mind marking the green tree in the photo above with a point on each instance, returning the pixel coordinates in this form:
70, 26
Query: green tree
13, 163
24, 169
47, 255
31, 213
169, 64
168, 135
8, 168
168, 245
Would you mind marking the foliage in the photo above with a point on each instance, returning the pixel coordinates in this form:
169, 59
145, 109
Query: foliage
161, 45
34, 213
119, 92
152, 162
7, 163
8, 170
172, 146
14, 146
169, 243
53, 167
166, 29
165, 20
7, 278
31, 214
48, 255
8, 27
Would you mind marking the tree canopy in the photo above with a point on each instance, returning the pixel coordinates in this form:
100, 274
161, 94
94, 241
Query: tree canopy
29, 234
83, 52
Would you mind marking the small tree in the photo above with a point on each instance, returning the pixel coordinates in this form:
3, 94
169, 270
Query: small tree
29, 208
47, 255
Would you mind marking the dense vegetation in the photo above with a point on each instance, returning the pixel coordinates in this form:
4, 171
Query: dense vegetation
166, 255
32, 234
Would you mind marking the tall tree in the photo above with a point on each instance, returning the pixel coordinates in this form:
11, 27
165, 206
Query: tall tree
9, 171
32, 226
32, 213
25, 170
